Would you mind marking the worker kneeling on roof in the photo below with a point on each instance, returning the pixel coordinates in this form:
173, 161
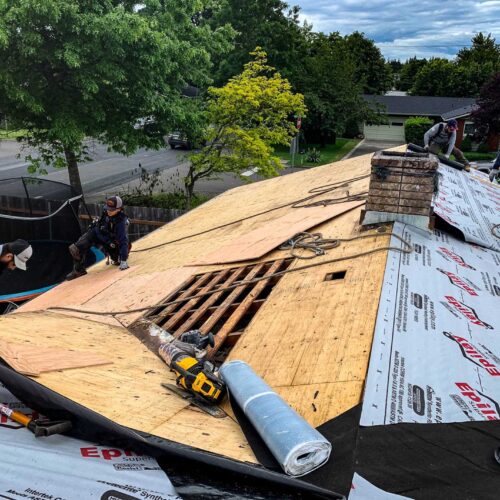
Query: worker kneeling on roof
15, 255
109, 232
441, 138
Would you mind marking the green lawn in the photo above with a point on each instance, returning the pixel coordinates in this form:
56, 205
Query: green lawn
329, 154
475, 156
11, 134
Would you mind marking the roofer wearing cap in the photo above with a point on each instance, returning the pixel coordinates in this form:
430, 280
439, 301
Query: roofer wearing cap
441, 138
109, 232
15, 255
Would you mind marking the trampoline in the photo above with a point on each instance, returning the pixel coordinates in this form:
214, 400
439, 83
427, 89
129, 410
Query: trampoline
45, 213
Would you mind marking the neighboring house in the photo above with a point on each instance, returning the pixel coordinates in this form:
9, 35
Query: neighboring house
398, 109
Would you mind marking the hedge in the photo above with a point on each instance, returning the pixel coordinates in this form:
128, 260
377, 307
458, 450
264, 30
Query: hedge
415, 128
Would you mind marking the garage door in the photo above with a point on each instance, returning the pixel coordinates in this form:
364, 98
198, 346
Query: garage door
395, 131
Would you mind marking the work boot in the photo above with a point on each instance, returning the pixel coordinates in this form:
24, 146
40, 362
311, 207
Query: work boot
75, 253
76, 273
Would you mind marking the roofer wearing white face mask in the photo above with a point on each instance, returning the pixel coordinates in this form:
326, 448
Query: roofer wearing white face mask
14, 255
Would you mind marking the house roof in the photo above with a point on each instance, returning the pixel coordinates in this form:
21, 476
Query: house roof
310, 340
156, 273
460, 112
419, 105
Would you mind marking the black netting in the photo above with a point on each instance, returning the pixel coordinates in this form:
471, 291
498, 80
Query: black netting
23, 201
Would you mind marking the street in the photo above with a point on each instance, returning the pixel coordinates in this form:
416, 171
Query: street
107, 170
111, 172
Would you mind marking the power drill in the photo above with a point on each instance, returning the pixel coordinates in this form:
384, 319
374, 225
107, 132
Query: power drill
193, 375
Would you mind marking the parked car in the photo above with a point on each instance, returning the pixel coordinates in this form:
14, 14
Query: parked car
176, 139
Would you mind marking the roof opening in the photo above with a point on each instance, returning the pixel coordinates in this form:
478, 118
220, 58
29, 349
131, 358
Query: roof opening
226, 309
338, 275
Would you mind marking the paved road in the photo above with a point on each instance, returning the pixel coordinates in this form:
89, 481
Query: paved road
106, 170
368, 147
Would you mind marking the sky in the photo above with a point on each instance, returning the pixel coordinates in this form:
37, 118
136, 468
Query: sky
406, 28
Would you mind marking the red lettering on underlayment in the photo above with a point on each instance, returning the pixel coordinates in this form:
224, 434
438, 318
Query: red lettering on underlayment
460, 283
107, 453
467, 311
456, 258
474, 355
484, 404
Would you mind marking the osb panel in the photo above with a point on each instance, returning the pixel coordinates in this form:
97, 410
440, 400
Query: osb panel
272, 234
130, 387
319, 403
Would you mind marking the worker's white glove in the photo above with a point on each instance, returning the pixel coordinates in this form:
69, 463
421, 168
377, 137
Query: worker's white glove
123, 265
426, 148
447, 157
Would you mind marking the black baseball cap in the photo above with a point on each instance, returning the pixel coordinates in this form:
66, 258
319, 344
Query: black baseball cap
22, 252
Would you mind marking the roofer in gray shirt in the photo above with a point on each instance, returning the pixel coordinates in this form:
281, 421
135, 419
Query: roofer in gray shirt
441, 138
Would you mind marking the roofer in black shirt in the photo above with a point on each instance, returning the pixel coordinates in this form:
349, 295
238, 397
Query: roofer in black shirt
109, 232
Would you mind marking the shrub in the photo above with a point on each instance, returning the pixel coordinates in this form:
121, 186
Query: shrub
176, 200
415, 128
466, 144
313, 155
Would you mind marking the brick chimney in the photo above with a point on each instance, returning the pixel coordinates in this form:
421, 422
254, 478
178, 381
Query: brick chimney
401, 188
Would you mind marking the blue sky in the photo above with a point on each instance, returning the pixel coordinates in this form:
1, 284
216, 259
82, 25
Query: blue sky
405, 28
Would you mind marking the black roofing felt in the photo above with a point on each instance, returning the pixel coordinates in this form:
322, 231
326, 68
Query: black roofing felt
419, 105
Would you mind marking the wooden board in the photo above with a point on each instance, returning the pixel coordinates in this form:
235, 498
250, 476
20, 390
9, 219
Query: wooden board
272, 234
129, 391
111, 291
34, 360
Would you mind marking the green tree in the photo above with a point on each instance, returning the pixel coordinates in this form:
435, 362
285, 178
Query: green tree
332, 92
247, 117
270, 24
409, 72
435, 78
371, 69
484, 50
395, 67
75, 69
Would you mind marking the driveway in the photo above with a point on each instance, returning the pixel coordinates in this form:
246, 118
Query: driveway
369, 146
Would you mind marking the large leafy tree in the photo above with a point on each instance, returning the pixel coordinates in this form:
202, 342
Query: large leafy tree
487, 116
270, 24
484, 50
332, 92
77, 69
434, 78
462, 77
409, 72
371, 69
247, 116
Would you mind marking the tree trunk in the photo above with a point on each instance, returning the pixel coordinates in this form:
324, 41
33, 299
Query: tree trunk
189, 187
74, 174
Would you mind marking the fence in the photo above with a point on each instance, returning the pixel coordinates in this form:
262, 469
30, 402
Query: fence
143, 220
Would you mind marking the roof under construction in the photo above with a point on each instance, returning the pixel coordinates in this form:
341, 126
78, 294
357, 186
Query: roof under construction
307, 331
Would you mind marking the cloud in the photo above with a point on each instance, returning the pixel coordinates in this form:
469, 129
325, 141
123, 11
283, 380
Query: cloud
406, 28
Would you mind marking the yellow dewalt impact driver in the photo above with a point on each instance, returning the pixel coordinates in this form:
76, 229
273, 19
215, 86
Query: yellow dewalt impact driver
193, 375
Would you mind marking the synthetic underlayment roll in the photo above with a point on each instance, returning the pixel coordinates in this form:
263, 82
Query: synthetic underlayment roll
296, 445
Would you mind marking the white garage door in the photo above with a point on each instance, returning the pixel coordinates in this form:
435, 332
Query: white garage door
394, 131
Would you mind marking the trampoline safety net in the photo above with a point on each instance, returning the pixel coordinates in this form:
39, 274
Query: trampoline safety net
45, 213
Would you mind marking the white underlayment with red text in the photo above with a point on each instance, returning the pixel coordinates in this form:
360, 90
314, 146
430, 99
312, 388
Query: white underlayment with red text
63, 468
469, 202
436, 349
